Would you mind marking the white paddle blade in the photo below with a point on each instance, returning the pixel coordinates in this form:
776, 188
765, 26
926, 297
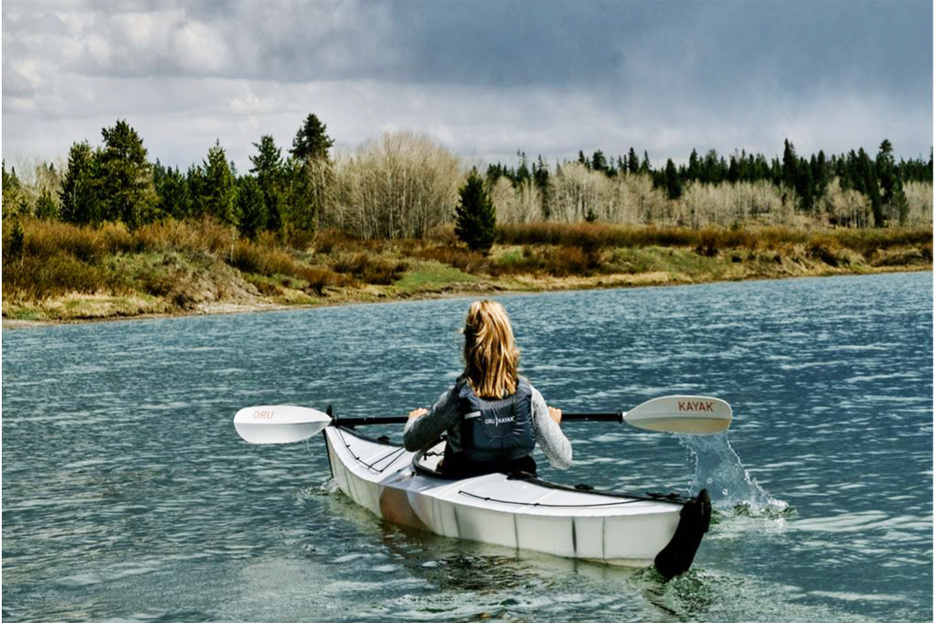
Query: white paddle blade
279, 423
693, 415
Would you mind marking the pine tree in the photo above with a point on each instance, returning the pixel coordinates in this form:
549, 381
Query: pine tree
646, 166
893, 194
251, 207
598, 161
172, 189
46, 208
270, 172
78, 194
17, 239
672, 180
475, 215
311, 142
308, 198
541, 177
127, 192
218, 191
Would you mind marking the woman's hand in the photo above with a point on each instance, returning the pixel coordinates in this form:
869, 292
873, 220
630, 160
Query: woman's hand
417, 413
554, 413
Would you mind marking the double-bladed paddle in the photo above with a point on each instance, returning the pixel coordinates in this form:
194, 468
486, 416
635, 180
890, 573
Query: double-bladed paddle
693, 415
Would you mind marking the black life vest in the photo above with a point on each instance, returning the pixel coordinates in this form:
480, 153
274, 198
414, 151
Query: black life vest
496, 431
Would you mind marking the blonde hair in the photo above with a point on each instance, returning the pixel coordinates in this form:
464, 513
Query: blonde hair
490, 352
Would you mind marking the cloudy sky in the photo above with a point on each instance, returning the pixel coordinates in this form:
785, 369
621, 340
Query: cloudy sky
483, 77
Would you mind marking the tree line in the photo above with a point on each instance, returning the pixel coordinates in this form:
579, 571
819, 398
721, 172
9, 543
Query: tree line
404, 184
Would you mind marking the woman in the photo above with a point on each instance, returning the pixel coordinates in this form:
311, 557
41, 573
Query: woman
493, 418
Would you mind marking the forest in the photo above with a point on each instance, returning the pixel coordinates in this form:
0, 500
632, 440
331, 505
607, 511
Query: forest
403, 184
109, 232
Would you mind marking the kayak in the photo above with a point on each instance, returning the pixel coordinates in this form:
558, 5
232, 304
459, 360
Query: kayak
520, 512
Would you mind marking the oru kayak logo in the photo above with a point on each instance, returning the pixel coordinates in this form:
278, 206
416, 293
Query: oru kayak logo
689, 405
263, 415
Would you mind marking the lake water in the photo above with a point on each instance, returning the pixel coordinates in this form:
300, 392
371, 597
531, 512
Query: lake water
127, 495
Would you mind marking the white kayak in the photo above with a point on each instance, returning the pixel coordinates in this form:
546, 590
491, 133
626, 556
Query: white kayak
522, 513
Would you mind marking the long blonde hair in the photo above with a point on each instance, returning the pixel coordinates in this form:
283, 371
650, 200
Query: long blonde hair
490, 352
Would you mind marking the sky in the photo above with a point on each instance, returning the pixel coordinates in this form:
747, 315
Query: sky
484, 78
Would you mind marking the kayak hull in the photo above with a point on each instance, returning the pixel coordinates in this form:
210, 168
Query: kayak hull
526, 514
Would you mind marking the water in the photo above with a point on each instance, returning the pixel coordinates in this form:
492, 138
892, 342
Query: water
127, 495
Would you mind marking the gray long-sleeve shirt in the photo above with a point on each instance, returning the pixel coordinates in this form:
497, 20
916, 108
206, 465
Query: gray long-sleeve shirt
444, 417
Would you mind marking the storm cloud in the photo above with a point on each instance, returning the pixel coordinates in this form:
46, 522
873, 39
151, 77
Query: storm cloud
484, 78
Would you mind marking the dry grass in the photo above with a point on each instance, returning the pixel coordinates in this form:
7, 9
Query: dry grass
185, 265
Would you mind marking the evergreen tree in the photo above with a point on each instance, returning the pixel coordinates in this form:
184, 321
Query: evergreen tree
598, 161
893, 194
217, 191
46, 208
127, 192
581, 158
672, 180
172, 189
78, 194
306, 199
17, 240
251, 207
632, 163
311, 142
646, 166
475, 215
804, 185
522, 173
194, 179
541, 177
14, 200
694, 168
866, 182
298, 208
270, 171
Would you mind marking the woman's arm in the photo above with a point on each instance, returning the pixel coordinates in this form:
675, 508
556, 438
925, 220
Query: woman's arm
422, 431
548, 434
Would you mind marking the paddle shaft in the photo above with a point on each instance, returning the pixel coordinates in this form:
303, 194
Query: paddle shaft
351, 422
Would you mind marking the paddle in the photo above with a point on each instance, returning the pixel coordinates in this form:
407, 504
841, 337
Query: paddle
694, 415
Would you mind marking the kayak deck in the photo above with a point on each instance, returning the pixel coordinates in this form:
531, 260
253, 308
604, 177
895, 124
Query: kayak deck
521, 513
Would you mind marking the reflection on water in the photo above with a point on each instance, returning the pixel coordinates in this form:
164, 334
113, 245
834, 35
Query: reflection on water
128, 496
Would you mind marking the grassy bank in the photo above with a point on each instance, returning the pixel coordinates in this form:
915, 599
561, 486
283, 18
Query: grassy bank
54, 271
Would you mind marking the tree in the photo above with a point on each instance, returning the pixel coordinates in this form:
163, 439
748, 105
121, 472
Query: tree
17, 238
172, 189
311, 141
646, 166
475, 216
598, 161
251, 207
217, 190
310, 197
893, 194
14, 196
865, 181
127, 192
46, 208
672, 180
632, 162
542, 181
270, 171
78, 195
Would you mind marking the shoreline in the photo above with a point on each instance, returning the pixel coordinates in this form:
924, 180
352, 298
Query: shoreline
455, 290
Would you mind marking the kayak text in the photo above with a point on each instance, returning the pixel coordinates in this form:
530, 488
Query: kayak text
695, 406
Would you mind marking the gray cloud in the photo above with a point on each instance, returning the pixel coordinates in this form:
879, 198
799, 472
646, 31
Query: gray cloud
485, 78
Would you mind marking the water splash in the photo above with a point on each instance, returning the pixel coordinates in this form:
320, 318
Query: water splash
731, 488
